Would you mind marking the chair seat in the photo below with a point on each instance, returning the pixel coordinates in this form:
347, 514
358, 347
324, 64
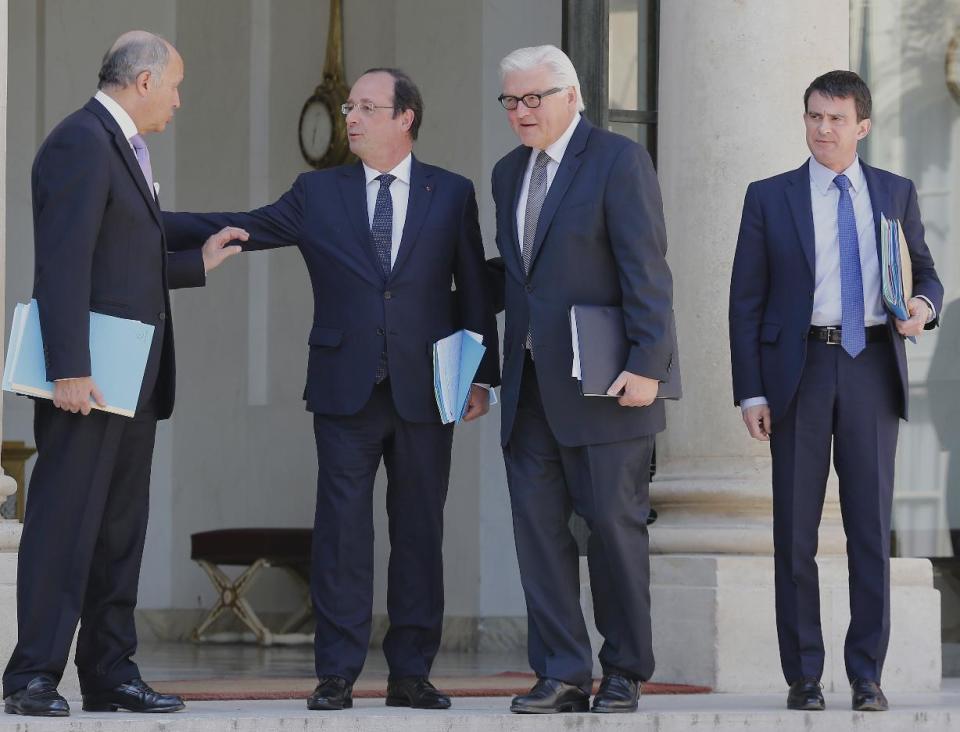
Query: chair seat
242, 547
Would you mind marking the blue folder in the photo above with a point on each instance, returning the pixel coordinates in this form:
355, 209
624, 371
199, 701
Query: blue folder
455, 362
118, 358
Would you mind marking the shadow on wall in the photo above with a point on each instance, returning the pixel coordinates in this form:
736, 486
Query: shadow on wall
943, 385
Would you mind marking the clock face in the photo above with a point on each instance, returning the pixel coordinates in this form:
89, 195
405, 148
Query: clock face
316, 130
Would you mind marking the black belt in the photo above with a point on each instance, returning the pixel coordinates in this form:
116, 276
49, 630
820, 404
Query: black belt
830, 334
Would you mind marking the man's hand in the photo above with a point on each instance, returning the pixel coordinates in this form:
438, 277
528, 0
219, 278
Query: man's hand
634, 390
215, 249
757, 420
73, 395
478, 403
919, 315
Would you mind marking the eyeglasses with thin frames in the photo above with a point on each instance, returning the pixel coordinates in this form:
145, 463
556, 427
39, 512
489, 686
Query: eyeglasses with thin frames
530, 101
368, 108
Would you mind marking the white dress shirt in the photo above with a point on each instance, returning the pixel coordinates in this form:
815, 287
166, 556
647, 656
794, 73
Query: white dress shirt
824, 198
127, 125
555, 151
399, 194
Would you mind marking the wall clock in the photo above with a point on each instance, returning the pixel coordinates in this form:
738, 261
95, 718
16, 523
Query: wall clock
323, 129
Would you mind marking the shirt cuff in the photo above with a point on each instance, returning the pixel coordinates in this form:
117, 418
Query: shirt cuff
493, 392
933, 310
745, 404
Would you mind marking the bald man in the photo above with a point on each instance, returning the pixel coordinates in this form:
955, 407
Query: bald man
99, 246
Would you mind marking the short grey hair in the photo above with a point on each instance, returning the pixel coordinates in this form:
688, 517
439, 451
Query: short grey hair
556, 61
131, 55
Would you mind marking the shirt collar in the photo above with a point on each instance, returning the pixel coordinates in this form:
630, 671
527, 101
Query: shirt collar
401, 172
822, 177
558, 148
127, 125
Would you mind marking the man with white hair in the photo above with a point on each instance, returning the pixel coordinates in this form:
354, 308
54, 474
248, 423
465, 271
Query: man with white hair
99, 246
579, 221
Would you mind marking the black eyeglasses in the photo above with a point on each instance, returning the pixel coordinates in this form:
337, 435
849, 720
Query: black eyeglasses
530, 101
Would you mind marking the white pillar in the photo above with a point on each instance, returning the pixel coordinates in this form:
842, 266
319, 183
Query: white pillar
732, 77
9, 529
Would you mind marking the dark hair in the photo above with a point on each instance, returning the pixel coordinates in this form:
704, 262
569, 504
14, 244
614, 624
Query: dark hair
840, 85
405, 96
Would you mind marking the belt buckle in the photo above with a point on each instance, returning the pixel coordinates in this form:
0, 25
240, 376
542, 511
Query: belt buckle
831, 335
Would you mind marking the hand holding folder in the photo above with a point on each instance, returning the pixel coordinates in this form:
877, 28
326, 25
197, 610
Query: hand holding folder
600, 350
119, 348
455, 362
896, 269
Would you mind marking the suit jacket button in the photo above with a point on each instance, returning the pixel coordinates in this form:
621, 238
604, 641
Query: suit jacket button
528, 288
162, 316
380, 331
387, 295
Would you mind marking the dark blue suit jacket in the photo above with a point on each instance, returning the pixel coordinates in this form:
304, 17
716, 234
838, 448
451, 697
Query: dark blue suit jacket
600, 240
357, 313
100, 245
771, 290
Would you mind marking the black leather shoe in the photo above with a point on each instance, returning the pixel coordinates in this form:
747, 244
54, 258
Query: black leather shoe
549, 696
616, 694
134, 696
332, 693
416, 692
806, 696
867, 696
39, 698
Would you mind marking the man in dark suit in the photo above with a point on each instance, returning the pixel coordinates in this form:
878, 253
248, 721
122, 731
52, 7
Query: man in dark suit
382, 239
579, 221
99, 245
818, 361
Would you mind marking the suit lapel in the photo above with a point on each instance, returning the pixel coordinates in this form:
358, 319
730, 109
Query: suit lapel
353, 191
879, 202
798, 196
513, 183
421, 193
126, 153
561, 181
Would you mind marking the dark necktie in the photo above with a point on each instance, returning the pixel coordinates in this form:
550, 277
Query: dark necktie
381, 231
536, 194
381, 234
852, 335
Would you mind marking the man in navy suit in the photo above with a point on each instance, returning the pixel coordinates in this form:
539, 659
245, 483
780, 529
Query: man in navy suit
382, 239
99, 245
819, 362
579, 222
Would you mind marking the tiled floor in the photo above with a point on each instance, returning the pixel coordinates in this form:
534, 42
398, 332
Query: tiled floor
180, 661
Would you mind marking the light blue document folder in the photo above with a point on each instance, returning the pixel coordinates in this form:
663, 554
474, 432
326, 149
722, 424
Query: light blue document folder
118, 358
896, 269
455, 362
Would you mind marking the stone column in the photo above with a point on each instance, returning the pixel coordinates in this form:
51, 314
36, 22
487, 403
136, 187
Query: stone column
732, 76
9, 529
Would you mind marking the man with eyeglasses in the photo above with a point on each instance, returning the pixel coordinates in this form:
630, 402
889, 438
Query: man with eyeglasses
382, 239
579, 221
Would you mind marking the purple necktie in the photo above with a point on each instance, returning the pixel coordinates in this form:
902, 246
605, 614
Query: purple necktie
143, 157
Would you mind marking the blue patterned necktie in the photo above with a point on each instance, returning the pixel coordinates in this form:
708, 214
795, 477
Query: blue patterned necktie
381, 231
852, 334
